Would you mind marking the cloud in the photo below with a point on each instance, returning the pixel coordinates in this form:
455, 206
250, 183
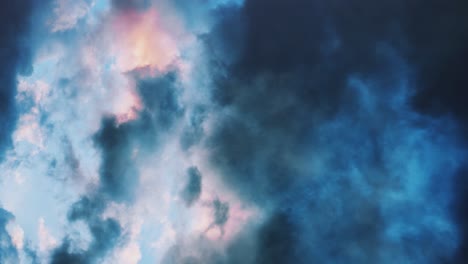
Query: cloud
118, 174
225, 131
105, 233
316, 123
120, 144
130, 4
220, 215
194, 131
192, 190
143, 41
14, 247
194, 251
46, 240
68, 13
16, 54
8, 250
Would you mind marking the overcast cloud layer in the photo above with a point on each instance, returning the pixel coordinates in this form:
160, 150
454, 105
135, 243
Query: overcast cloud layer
233, 131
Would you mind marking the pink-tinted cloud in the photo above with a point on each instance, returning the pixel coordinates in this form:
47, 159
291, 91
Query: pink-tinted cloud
141, 41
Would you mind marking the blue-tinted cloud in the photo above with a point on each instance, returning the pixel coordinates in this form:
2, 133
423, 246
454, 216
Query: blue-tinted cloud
8, 251
256, 131
16, 55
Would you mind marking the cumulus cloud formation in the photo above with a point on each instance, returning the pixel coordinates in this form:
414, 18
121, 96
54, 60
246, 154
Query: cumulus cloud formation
68, 13
16, 54
105, 233
225, 131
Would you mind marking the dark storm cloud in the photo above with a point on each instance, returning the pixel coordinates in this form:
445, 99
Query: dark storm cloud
314, 94
118, 173
279, 238
63, 255
192, 189
461, 213
440, 48
160, 98
15, 58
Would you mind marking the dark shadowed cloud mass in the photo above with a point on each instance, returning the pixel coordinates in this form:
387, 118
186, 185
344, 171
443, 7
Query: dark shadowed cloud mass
193, 187
16, 19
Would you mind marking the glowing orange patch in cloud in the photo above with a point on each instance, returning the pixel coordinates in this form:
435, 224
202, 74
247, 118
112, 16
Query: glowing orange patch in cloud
140, 41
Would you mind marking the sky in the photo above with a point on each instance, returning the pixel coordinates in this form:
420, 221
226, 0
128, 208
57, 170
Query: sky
233, 131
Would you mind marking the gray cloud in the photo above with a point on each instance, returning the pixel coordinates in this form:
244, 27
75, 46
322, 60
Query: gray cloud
16, 55
8, 251
119, 175
343, 121
318, 125
192, 190
193, 131
105, 233
130, 4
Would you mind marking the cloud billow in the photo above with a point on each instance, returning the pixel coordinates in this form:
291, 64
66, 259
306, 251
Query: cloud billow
16, 58
105, 233
192, 190
119, 176
8, 251
322, 129
226, 131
